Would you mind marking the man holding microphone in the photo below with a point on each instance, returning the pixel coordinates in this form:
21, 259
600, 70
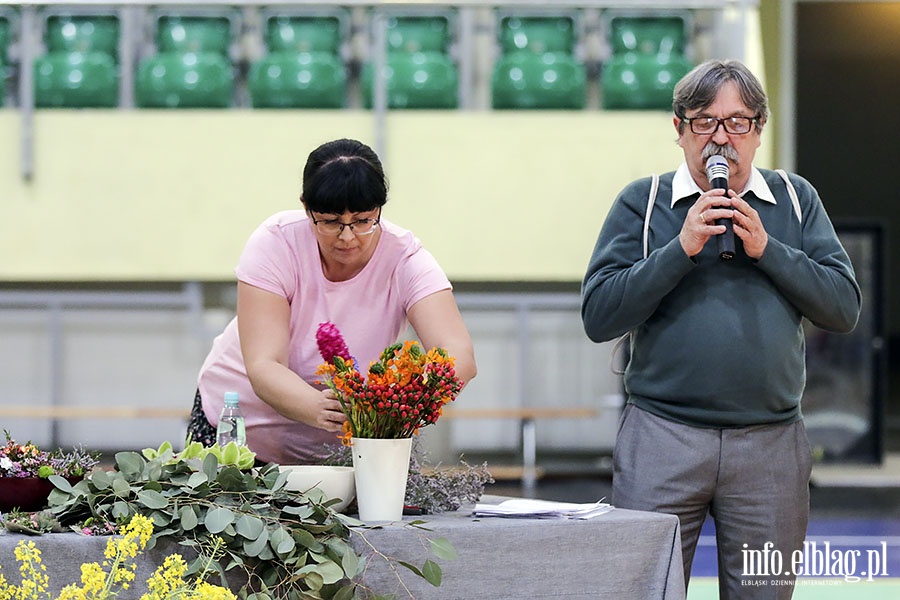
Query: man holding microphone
712, 423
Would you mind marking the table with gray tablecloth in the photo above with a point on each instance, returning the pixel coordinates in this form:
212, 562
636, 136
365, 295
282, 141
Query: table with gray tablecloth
620, 555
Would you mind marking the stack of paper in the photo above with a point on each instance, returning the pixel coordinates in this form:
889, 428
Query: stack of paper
541, 509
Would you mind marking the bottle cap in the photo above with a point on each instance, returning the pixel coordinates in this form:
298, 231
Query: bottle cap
231, 398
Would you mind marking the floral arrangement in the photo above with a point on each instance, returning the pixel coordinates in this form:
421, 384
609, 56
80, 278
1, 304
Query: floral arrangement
27, 460
167, 582
405, 389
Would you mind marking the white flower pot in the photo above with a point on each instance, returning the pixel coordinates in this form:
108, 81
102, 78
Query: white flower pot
381, 469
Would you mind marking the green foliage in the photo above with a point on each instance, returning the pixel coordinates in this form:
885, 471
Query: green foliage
232, 454
287, 544
279, 544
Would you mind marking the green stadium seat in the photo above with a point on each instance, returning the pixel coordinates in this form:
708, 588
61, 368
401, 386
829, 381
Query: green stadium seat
185, 80
193, 34
418, 34
290, 79
83, 33
641, 81
5, 36
76, 80
192, 68
416, 80
553, 80
647, 35
303, 34
537, 34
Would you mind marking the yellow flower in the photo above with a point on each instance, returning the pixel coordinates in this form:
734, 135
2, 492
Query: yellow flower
71, 592
34, 574
134, 539
93, 579
166, 578
167, 583
208, 591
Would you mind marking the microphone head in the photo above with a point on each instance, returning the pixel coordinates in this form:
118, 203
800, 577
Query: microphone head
716, 168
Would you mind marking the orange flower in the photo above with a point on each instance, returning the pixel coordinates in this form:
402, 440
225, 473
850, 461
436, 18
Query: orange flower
347, 434
405, 389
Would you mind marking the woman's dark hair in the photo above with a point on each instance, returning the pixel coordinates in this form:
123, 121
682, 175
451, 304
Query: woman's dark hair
699, 88
343, 176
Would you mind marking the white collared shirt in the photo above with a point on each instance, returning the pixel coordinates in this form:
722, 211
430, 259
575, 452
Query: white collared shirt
683, 185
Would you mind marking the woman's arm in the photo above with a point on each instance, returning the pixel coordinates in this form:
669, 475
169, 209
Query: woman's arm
264, 331
437, 322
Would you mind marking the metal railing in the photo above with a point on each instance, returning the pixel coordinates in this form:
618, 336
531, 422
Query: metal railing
55, 303
524, 409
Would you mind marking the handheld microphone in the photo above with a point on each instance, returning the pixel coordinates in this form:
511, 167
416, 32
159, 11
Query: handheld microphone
717, 173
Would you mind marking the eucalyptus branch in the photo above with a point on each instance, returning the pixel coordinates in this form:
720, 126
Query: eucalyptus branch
390, 562
431, 572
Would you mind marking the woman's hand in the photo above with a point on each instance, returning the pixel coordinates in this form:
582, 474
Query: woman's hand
328, 415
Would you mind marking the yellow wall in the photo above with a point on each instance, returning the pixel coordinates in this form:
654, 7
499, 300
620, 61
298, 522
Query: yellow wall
146, 195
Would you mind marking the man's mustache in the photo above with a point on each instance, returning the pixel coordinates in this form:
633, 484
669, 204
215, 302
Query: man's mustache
723, 150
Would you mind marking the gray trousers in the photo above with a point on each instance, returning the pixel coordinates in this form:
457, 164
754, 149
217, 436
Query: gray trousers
753, 481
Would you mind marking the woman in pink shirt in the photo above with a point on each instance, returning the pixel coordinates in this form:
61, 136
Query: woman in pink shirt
336, 260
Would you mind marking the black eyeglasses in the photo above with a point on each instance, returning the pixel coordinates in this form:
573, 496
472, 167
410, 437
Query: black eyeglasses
336, 227
710, 125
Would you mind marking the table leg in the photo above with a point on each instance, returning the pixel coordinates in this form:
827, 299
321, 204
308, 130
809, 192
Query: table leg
529, 457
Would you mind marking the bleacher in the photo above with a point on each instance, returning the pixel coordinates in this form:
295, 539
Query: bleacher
459, 55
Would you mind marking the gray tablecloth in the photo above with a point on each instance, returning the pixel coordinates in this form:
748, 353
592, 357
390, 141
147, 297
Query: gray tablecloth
621, 555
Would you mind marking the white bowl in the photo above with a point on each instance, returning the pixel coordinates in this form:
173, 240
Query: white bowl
334, 482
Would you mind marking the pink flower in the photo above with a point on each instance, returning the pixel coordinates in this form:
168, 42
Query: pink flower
331, 342
87, 531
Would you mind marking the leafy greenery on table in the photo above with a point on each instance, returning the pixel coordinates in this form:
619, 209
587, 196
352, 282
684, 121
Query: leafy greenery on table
286, 545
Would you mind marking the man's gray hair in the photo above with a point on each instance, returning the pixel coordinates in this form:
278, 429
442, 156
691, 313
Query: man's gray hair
699, 88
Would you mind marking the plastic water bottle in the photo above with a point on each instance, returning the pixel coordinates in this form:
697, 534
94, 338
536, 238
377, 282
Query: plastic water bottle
231, 422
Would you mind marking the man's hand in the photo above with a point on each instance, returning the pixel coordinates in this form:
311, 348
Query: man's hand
700, 223
749, 228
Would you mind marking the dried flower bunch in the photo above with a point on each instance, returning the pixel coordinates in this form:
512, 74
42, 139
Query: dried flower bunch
27, 460
437, 490
405, 389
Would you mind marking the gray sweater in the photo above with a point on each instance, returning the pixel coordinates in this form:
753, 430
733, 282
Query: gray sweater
718, 343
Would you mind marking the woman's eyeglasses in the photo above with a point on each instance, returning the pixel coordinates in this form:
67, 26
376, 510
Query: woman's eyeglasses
336, 227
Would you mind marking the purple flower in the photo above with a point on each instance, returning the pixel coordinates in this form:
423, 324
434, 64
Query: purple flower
331, 343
